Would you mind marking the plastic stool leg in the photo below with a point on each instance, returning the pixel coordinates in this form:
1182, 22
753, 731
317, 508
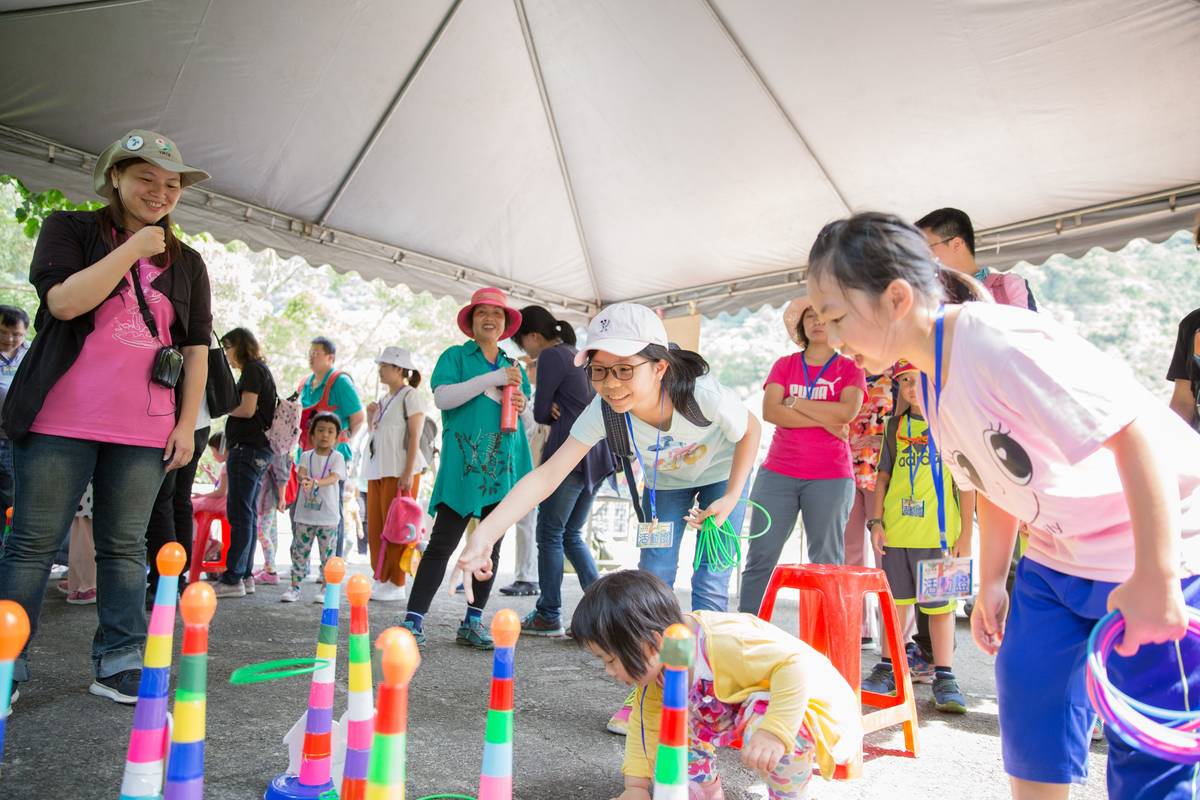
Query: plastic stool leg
199, 545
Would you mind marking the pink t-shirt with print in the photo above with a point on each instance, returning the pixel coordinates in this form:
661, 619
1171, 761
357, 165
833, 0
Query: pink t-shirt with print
812, 454
1023, 418
107, 395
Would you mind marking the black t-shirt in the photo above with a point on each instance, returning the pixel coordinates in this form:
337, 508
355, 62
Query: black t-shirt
1183, 365
252, 431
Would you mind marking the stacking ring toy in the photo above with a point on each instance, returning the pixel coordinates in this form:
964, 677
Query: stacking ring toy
274, 670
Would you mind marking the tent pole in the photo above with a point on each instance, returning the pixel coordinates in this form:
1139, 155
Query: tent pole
552, 124
389, 113
68, 8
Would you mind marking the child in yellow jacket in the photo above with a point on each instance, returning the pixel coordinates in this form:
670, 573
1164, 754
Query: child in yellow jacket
750, 681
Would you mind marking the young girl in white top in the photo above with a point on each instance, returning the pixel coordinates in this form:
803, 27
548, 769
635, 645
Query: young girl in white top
1051, 432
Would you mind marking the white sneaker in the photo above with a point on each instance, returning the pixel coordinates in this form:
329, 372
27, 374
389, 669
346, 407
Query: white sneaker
12, 699
223, 589
388, 592
319, 597
248, 583
290, 596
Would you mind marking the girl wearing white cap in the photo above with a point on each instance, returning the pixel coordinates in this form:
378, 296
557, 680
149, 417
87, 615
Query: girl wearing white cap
394, 463
696, 441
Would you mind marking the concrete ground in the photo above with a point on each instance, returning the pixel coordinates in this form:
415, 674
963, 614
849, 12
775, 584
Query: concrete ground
64, 743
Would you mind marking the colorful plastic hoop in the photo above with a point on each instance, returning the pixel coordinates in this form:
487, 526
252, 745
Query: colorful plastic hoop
1165, 733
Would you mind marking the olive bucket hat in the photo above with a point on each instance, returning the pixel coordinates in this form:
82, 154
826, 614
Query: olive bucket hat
150, 147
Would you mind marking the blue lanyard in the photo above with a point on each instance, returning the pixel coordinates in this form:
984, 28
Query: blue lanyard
935, 463
657, 451
808, 388
324, 471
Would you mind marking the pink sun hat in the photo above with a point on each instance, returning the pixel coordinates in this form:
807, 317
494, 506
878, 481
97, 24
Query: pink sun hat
490, 296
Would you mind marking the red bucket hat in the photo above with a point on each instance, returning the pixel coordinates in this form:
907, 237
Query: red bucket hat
490, 296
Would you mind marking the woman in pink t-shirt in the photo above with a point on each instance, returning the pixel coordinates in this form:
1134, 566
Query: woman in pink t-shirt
811, 397
99, 397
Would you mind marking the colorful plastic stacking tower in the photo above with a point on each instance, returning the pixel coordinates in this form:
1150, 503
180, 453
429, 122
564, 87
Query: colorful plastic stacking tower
670, 765
316, 760
185, 767
495, 781
387, 770
14, 632
361, 721
145, 759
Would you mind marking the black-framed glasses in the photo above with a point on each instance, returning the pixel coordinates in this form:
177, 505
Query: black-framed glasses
622, 372
941, 241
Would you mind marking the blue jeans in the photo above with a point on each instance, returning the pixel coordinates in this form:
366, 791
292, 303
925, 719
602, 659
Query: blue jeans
560, 521
710, 589
6, 474
51, 475
245, 470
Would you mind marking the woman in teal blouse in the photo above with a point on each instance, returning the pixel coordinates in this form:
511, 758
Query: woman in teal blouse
480, 463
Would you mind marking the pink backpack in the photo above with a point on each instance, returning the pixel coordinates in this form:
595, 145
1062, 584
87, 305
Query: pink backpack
405, 524
284, 433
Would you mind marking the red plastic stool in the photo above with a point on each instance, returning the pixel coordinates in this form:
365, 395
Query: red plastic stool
203, 521
831, 602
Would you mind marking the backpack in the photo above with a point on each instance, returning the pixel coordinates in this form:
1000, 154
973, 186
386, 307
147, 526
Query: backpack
322, 405
429, 435
284, 431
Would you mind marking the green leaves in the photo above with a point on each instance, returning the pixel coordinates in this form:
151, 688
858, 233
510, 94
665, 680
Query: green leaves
33, 207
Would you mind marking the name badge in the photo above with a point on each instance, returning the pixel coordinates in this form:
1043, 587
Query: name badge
912, 508
655, 534
944, 579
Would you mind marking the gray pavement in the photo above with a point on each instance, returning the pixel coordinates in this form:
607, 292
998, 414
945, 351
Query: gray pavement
64, 743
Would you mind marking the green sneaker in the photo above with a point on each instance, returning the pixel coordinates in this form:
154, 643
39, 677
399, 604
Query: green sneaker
418, 635
472, 634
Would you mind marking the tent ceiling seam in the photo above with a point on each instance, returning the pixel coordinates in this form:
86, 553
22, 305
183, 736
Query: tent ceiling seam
69, 8
377, 132
552, 124
736, 44
183, 65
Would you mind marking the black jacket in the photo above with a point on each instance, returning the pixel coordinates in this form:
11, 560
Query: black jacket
69, 242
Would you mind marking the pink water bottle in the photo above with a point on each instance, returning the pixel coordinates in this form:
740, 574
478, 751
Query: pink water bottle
508, 410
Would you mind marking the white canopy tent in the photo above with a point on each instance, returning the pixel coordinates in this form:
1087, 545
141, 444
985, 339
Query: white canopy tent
680, 152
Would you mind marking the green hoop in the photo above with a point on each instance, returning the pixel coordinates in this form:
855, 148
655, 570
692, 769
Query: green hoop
276, 670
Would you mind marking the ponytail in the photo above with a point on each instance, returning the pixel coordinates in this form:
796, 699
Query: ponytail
679, 382
565, 332
412, 377
959, 287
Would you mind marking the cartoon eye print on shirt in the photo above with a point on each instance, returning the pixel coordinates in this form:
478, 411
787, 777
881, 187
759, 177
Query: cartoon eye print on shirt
1015, 464
963, 463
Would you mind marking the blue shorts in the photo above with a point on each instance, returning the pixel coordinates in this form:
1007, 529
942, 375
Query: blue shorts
1045, 715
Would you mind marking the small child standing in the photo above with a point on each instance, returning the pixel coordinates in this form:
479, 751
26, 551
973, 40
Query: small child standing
904, 532
750, 681
318, 508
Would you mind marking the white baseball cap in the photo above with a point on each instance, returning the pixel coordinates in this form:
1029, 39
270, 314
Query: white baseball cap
623, 329
397, 357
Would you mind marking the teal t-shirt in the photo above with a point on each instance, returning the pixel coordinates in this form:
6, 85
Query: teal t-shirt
343, 401
479, 463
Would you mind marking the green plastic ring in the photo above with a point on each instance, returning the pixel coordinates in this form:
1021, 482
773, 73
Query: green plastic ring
275, 670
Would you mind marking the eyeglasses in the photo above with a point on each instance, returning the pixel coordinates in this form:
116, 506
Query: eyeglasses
622, 372
941, 241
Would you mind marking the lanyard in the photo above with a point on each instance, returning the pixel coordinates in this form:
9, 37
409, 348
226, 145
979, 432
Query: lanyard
808, 388
657, 452
383, 407
914, 458
324, 471
935, 463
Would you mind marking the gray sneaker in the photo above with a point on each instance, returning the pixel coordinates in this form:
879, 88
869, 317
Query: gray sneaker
223, 589
947, 697
472, 634
248, 585
882, 680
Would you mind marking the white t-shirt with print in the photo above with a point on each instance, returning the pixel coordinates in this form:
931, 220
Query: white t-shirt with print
322, 509
688, 455
1024, 415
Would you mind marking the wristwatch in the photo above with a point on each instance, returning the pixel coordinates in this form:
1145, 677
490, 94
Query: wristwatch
871, 523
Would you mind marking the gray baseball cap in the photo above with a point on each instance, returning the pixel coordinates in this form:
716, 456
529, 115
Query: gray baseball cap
148, 146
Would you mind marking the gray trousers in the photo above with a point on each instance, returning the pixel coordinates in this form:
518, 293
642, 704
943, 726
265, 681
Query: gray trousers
825, 505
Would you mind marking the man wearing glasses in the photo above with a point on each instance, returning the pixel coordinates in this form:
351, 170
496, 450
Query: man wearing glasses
14, 324
951, 237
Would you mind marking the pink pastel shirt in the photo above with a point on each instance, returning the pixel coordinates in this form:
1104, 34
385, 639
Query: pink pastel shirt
812, 454
1023, 418
107, 395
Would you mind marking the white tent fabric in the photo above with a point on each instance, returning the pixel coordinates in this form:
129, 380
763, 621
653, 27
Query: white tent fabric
596, 150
